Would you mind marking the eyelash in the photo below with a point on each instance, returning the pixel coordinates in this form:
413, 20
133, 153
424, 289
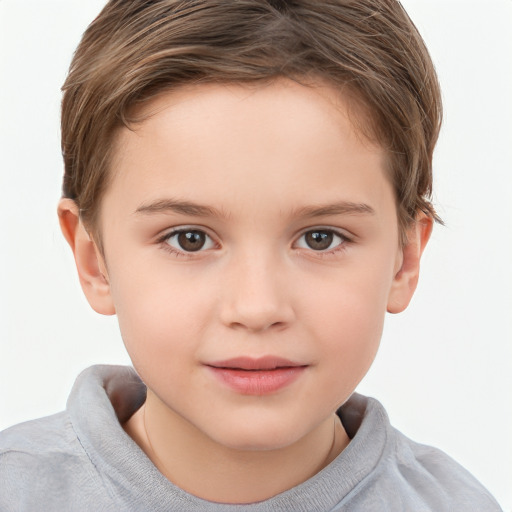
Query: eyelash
164, 241
345, 241
340, 247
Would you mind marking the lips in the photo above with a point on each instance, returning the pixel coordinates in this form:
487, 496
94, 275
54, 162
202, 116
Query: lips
257, 376
257, 364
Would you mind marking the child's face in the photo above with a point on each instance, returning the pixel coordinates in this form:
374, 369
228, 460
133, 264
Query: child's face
250, 223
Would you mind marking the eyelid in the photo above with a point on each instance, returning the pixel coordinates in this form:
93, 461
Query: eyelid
176, 230
172, 230
345, 239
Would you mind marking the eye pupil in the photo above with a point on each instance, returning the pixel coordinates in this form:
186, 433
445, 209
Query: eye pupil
191, 240
319, 240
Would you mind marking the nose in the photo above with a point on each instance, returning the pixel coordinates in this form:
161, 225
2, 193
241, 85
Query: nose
255, 296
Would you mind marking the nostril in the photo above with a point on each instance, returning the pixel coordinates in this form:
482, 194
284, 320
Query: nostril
258, 326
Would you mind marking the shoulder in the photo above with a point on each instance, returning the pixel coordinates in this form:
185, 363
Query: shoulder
438, 478
401, 474
43, 466
432, 477
36, 435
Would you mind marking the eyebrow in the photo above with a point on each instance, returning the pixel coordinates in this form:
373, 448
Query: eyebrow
340, 208
197, 210
177, 206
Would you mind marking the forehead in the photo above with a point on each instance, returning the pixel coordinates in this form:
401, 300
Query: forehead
319, 99
241, 144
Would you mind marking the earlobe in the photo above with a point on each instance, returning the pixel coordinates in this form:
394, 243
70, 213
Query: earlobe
406, 278
90, 264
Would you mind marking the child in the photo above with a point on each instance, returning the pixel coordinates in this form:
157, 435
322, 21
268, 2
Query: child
247, 187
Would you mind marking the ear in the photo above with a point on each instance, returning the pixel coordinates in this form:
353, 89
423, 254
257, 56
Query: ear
406, 278
90, 264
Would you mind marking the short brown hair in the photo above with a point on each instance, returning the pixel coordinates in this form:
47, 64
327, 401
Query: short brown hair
136, 49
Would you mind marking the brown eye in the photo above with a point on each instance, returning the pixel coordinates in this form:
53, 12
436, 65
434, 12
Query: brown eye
321, 240
189, 240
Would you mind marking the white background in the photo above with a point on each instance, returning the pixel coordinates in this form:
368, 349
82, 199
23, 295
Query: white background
444, 371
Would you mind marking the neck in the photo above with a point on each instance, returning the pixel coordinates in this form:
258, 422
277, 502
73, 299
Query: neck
199, 465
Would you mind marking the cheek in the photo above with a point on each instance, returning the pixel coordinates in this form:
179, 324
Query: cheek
157, 320
354, 329
351, 319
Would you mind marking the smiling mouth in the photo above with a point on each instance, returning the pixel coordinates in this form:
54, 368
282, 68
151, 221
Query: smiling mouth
257, 376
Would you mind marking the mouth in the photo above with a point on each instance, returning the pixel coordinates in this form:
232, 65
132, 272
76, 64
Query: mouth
257, 376
267, 363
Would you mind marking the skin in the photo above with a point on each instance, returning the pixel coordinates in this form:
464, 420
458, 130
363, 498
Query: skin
269, 165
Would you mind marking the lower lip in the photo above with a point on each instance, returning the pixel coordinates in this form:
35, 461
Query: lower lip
258, 382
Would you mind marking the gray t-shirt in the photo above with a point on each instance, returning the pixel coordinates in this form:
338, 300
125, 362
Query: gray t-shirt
82, 460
